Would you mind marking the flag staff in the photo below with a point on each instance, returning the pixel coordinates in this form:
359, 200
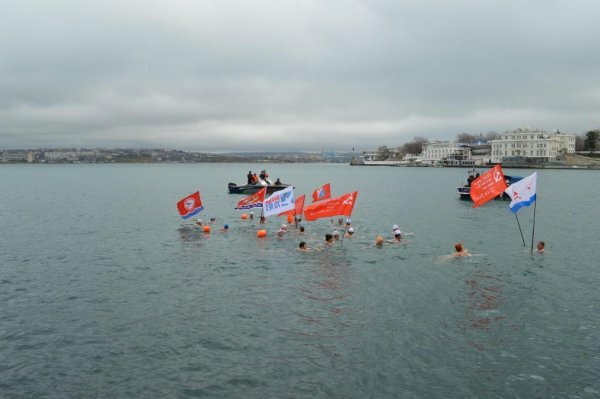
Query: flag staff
533, 230
521, 231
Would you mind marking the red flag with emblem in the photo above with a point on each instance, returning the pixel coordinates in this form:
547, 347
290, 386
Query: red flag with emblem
190, 205
338, 206
322, 193
488, 186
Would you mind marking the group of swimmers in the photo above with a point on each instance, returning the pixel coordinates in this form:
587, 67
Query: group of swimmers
331, 238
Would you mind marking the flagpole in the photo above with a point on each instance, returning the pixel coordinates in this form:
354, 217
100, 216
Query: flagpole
521, 231
345, 227
533, 230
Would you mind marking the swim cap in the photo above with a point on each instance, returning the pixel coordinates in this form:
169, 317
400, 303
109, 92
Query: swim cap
226, 226
336, 233
397, 232
199, 221
395, 227
348, 221
350, 230
283, 226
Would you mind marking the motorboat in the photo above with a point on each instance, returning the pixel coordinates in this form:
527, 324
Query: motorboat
252, 188
464, 191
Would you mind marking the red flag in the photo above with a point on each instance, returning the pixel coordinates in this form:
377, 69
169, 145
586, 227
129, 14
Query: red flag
298, 209
322, 193
190, 205
487, 186
337, 206
253, 201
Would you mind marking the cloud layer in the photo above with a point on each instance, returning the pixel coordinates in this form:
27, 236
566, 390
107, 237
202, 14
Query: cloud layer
280, 75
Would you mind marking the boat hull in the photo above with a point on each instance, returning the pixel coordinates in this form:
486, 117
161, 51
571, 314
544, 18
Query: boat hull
464, 193
248, 189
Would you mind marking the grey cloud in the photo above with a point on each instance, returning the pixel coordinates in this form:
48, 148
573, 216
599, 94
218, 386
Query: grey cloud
238, 75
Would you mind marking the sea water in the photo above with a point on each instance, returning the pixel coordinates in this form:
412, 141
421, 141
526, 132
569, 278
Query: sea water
106, 292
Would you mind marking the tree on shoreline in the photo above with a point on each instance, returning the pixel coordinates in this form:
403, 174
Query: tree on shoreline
591, 140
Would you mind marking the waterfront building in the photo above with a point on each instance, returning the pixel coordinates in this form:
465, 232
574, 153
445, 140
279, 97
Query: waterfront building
532, 145
435, 152
445, 153
14, 156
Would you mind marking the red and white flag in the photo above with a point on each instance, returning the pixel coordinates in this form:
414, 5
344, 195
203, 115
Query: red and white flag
253, 201
488, 186
190, 205
322, 193
338, 206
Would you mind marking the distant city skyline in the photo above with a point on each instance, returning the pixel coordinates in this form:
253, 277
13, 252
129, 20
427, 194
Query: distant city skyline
216, 76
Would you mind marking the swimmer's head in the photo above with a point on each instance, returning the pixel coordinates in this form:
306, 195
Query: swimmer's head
336, 233
397, 233
458, 247
302, 229
379, 240
328, 237
302, 245
541, 245
350, 230
395, 227
226, 226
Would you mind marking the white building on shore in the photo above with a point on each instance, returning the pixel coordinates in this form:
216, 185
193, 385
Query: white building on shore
445, 153
535, 145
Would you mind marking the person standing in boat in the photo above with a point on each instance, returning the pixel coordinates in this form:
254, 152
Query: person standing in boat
278, 182
470, 180
249, 176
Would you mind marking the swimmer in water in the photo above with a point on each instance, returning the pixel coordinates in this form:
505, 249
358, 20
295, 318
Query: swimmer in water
328, 239
541, 245
397, 235
198, 222
301, 231
460, 251
262, 220
225, 228
350, 232
302, 246
336, 235
213, 219
379, 241
251, 215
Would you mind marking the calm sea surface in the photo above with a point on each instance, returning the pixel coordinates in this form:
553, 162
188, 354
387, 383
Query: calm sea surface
106, 292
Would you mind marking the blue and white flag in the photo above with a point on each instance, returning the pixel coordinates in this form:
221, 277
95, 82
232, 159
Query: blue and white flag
522, 192
279, 201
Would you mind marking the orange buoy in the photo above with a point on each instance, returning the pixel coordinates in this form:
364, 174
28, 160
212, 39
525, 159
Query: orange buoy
206, 229
290, 218
244, 216
261, 233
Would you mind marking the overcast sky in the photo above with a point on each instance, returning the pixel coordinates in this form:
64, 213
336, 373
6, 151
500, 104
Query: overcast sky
300, 74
